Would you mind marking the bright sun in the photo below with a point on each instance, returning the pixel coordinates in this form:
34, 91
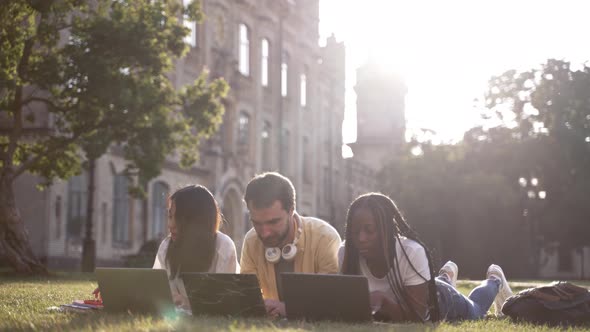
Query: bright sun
447, 50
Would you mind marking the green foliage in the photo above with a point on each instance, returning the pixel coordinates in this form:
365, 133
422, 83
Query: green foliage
552, 107
454, 203
100, 74
538, 126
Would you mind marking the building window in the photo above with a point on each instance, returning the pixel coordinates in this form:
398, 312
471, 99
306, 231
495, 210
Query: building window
160, 193
266, 153
264, 63
191, 38
243, 128
244, 56
77, 199
121, 203
284, 72
285, 137
306, 161
303, 90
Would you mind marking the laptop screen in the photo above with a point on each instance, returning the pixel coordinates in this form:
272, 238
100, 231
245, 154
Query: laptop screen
224, 294
326, 297
135, 290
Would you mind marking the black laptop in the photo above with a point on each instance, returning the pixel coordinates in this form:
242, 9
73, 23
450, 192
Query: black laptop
135, 290
224, 294
332, 297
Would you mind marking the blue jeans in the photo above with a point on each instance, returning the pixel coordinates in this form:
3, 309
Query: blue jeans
455, 306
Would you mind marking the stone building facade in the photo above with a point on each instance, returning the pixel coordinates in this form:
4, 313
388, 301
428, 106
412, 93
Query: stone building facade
284, 113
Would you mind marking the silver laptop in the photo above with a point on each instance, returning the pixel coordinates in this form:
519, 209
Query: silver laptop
135, 290
326, 297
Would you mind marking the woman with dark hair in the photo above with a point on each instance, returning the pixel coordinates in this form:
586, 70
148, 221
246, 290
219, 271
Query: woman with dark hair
382, 246
195, 243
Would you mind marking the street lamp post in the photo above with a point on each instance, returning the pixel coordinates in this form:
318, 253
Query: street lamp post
533, 194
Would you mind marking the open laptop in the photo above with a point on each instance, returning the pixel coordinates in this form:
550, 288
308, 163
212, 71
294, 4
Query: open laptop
224, 294
326, 297
135, 290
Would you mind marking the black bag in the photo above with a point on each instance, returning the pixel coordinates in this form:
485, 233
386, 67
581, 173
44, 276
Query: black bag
559, 303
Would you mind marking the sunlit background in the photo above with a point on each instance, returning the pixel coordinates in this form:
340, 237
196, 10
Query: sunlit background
447, 50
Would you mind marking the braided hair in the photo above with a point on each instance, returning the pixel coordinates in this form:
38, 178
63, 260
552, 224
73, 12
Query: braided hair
391, 225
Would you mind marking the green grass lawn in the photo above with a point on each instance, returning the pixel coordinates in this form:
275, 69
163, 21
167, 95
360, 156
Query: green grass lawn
24, 303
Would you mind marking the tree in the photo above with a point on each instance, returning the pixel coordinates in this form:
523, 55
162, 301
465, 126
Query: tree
551, 109
538, 129
460, 204
99, 73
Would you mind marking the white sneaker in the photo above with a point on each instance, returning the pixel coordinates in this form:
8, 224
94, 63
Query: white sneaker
495, 271
452, 271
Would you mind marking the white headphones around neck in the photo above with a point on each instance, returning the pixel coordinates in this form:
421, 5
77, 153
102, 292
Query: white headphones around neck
288, 252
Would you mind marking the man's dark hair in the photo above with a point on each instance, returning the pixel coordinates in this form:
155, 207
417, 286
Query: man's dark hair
266, 188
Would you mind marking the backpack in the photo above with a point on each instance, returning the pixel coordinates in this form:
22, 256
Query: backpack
559, 303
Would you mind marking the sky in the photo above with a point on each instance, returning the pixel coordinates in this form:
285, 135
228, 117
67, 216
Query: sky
447, 50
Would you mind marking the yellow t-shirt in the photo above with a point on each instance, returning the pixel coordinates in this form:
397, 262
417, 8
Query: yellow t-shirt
317, 252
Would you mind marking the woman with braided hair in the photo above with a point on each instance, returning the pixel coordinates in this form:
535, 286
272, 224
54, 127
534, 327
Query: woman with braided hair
382, 246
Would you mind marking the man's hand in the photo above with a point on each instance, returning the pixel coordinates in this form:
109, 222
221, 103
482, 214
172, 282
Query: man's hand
275, 308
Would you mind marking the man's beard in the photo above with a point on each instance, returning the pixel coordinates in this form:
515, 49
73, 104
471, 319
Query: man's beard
280, 239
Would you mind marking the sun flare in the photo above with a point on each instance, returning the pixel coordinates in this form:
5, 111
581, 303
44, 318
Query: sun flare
447, 51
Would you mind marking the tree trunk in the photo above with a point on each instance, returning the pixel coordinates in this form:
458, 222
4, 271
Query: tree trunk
15, 248
89, 245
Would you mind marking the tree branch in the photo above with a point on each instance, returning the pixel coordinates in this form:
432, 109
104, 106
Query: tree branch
43, 100
29, 131
52, 149
30, 162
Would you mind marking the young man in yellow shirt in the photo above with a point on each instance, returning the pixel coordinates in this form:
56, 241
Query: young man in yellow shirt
281, 240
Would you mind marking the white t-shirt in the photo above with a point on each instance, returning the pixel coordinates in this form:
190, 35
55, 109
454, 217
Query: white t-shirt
416, 255
224, 261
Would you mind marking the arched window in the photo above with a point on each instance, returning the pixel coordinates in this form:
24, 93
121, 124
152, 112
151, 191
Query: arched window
266, 153
264, 62
285, 137
244, 50
160, 192
303, 90
191, 38
121, 203
77, 199
284, 72
244, 128
306, 162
